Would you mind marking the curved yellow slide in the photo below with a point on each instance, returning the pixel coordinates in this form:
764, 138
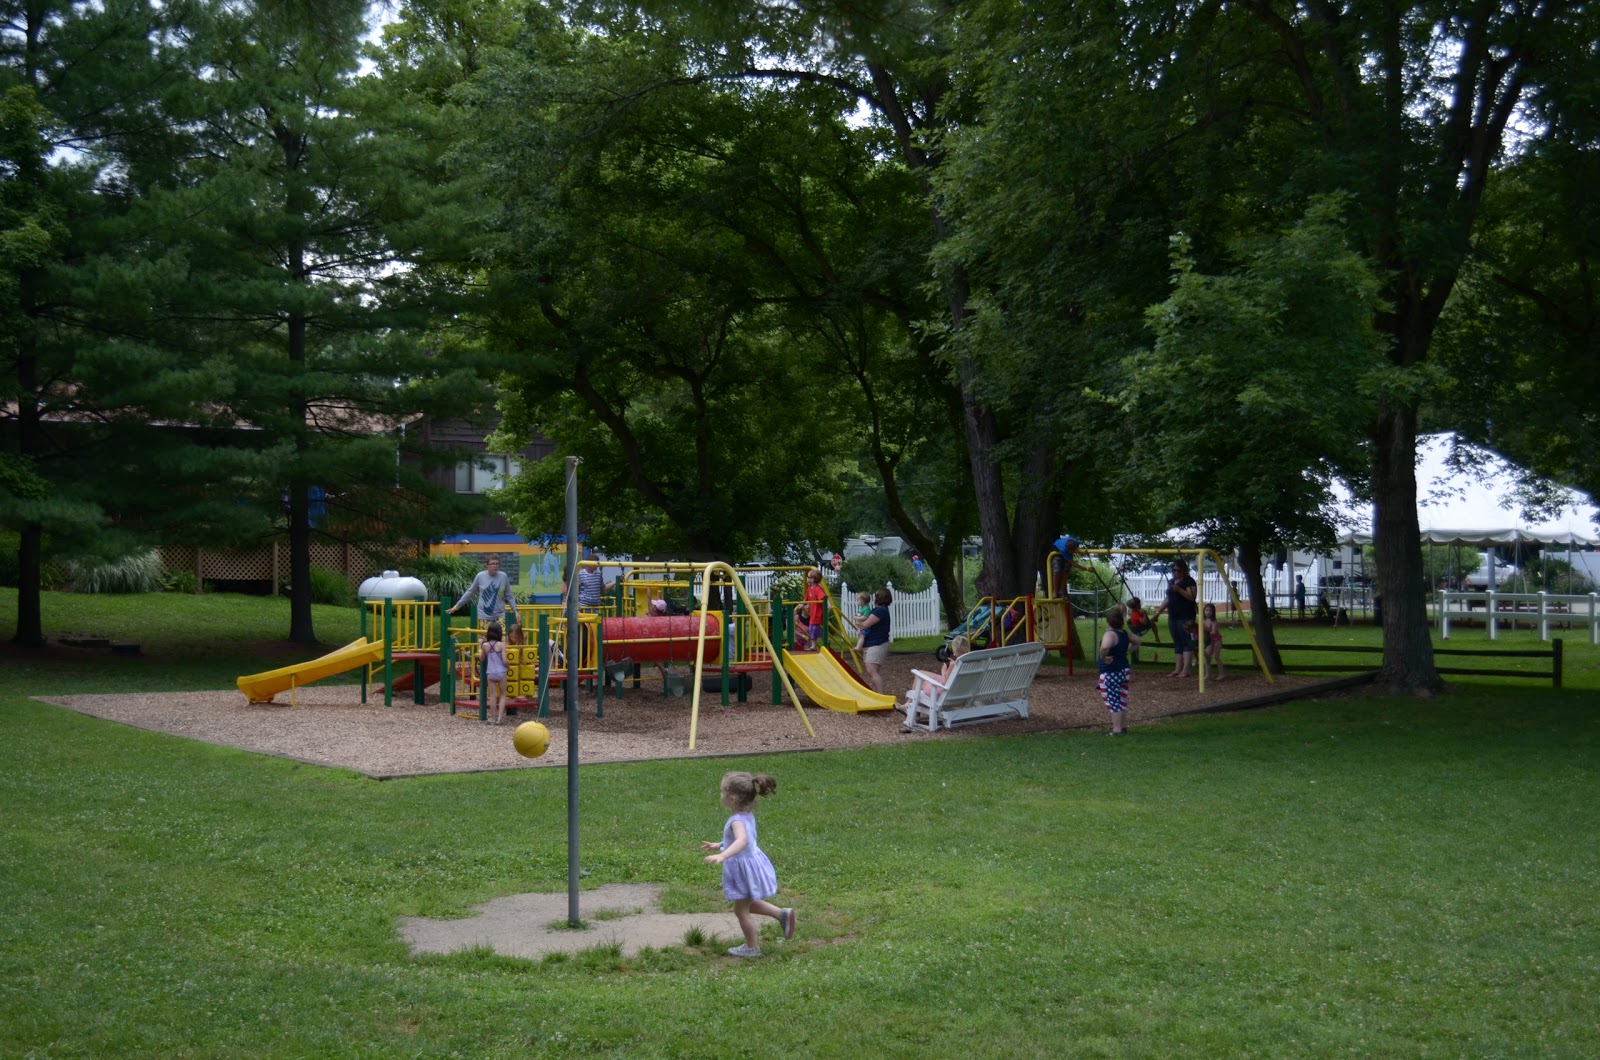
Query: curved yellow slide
829, 685
263, 686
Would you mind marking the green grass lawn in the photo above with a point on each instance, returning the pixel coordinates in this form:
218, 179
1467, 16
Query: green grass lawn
1358, 877
1581, 664
185, 642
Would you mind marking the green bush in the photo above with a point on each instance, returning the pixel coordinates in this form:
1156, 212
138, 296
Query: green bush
138, 573
51, 576
328, 586
1551, 575
331, 587
10, 559
446, 576
871, 573
180, 581
790, 586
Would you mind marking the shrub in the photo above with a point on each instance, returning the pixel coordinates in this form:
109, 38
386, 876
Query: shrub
445, 576
1551, 575
180, 581
873, 572
10, 559
789, 586
331, 587
137, 573
328, 586
50, 574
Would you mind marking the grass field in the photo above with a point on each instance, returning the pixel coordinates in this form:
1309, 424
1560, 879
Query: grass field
1357, 877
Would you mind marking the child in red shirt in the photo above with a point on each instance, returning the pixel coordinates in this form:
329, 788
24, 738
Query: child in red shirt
817, 595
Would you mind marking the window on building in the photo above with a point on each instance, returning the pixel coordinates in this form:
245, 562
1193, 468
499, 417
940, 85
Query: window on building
486, 472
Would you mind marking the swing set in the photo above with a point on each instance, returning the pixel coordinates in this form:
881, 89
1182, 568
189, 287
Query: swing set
1054, 624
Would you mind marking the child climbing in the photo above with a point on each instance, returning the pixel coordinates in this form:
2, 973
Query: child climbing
748, 878
803, 640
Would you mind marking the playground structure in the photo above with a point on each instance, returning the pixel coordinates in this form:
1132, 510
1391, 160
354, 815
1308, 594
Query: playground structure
1050, 619
262, 687
1055, 613
410, 645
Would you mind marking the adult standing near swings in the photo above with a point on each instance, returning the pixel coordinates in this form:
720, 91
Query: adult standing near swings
1181, 612
493, 592
592, 585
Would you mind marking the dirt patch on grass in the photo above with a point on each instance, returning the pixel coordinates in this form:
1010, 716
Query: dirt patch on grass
329, 725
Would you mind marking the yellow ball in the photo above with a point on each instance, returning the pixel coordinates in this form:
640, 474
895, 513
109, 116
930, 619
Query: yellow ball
531, 739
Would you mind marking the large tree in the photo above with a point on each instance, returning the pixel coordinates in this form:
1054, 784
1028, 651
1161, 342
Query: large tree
1236, 117
884, 66
303, 196
711, 287
82, 279
1407, 108
1520, 340
1253, 437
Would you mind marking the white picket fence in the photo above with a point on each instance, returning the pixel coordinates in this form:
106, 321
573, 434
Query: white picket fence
757, 584
910, 614
1151, 589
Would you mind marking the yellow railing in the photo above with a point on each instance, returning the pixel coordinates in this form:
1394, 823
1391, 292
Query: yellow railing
415, 623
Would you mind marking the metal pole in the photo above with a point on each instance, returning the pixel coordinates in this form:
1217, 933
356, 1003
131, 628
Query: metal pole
573, 640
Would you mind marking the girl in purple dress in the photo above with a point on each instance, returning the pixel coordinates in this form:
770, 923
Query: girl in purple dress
748, 879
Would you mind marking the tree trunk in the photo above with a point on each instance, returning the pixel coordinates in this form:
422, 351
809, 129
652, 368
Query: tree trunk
301, 627
1260, 606
30, 571
1008, 566
30, 547
301, 630
1408, 664
947, 568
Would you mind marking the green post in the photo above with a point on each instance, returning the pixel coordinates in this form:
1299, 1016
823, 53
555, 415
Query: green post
726, 647
418, 691
775, 621
388, 652
1555, 661
599, 666
366, 671
544, 664
483, 683
447, 661
738, 638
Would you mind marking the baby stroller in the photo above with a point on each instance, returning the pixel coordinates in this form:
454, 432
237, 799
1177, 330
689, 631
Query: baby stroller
977, 620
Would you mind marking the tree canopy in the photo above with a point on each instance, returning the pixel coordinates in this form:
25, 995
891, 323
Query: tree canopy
995, 267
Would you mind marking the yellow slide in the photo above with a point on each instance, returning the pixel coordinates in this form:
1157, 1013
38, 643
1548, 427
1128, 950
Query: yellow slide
828, 684
262, 687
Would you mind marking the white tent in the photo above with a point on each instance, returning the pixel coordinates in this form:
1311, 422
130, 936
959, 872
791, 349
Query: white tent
1479, 506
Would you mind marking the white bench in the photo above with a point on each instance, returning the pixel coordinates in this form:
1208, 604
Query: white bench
984, 685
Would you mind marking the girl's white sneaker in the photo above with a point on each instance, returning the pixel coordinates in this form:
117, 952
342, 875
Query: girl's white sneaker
745, 951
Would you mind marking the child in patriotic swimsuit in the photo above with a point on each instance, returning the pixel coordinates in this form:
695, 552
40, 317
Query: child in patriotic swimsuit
1114, 670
